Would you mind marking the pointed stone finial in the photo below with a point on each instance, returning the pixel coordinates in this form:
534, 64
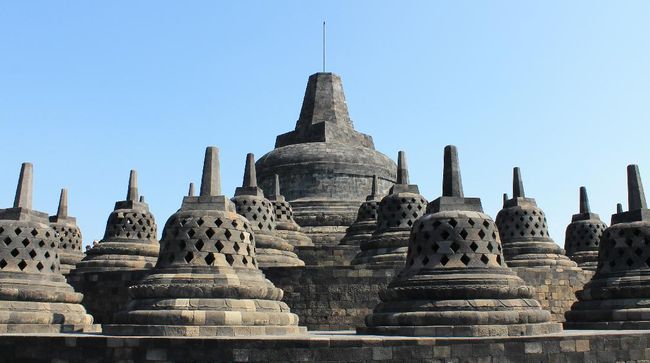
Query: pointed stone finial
211, 179
635, 194
402, 168
584, 201
276, 184
250, 177
142, 199
190, 193
505, 199
452, 185
24, 190
132, 194
62, 212
517, 184
619, 208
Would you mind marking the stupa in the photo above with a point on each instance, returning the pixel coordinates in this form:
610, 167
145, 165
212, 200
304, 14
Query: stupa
206, 281
129, 242
583, 235
271, 249
325, 165
524, 232
397, 213
285, 226
455, 281
34, 295
68, 235
366, 223
618, 296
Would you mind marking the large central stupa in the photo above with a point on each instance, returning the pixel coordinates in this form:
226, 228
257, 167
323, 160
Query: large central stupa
326, 166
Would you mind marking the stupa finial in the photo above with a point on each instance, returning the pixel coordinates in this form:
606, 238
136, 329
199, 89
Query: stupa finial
62, 212
584, 201
211, 179
276, 184
402, 168
619, 208
190, 193
517, 184
142, 199
250, 178
452, 185
24, 190
635, 194
132, 193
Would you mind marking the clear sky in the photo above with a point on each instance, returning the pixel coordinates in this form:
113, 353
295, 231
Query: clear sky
89, 90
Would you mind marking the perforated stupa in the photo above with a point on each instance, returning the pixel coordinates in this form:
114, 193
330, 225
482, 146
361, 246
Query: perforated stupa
583, 234
618, 296
130, 241
366, 223
397, 213
68, 235
524, 232
272, 250
206, 281
285, 226
34, 295
455, 281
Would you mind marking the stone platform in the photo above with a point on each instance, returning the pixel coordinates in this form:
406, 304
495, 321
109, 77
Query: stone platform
570, 346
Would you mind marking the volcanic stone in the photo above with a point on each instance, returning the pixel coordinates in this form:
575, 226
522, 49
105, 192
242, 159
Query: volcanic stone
366, 223
68, 235
583, 235
285, 226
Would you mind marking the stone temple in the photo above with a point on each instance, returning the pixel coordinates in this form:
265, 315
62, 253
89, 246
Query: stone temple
285, 226
325, 165
583, 235
366, 223
68, 234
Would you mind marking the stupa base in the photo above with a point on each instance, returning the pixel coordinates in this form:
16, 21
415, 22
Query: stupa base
201, 331
267, 257
295, 238
465, 330
608, 325
49, 328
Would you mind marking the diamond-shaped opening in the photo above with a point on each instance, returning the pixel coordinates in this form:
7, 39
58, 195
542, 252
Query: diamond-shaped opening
199, 245
425, 260
486, 224
471, 222
218, 222
22, 264
181, 245
242, 236
409, 222
235, 224
209, 259
219, 245
435, 247
499, 259
452, 222
464, 233
18, 231
52, 268
490, 247
485, 259
419, 249
41, 243
3, 264
260, 225
481, 234
444, 235
14, 252
200, 222
629, 262
455, 247
629, 241
39, 266
191, 233
210, 232
465, 259
47, 254
473, 246
7, 241
230, 259
533, 232
444, 260
2, 230
244, 260
236, 247
227, 234
189, 257
32, 254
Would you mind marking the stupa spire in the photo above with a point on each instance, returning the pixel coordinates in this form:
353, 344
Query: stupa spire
584, 201
132, 193
190, 192
211, 179
276, 185
24, 190
452, 185
619, 208
62, 211
635, 195
517, 184
250, 178
402, 168
505, 199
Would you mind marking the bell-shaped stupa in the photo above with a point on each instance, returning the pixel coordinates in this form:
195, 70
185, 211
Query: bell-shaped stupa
325, 165
34, 295
206, 281
272, 250
366, 223
524, 232
583, 235
68, 235
285, 226
455, 281
397, 213
129, 242
618, 296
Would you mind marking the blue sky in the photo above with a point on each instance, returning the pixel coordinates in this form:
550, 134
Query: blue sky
90, 90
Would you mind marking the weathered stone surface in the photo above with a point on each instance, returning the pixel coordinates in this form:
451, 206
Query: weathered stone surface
366, 223
397, 212
271, 249
68, 235
34, 296
285, 226
524, 232
618, 296
455, 281
129, 242
325, 165
206, 280
583, 235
